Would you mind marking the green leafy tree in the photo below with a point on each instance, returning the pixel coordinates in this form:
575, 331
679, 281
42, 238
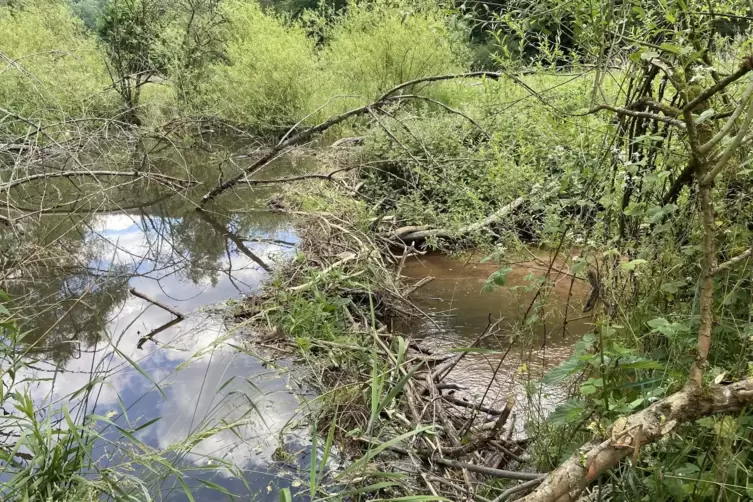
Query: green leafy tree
134, 33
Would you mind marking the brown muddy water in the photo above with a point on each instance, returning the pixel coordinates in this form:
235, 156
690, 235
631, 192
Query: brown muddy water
458, 310
70, 271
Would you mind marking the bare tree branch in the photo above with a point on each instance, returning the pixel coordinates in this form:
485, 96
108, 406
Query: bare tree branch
304, 135
634, 113
745, 67
732, 261
160, 178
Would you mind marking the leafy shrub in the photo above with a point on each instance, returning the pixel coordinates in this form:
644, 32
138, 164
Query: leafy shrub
54, 70
269, 72
440, 169
376, 45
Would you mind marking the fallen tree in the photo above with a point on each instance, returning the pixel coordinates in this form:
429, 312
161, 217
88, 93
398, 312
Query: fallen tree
566, 483
291, 139
410, 234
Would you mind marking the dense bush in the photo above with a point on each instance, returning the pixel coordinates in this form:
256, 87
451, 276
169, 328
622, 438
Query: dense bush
436, 167
269, 73
54, 71
376, 45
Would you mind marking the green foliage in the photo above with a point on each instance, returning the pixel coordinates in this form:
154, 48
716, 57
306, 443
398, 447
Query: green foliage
90, 11
54, 71
375, 45
434, 167
269, 72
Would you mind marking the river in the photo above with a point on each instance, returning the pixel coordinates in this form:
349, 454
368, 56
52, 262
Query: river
71, 269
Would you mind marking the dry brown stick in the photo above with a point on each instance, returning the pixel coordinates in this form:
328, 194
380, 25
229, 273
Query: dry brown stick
480, 469
443, 418
412, 289
448, 425
480, 439
474, 406
150, 336
156, 303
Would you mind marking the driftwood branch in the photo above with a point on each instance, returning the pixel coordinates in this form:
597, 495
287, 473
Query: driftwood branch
658, 420
448, 233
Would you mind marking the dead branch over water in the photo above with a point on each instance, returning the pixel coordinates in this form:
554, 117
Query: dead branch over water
293, 139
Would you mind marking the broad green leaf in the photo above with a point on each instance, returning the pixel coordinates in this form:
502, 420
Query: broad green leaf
285, 495
587, 389
673, 287
568, 368
667, 328
631, 265
566, 413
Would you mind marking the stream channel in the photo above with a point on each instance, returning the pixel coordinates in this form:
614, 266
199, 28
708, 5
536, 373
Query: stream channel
74, 298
